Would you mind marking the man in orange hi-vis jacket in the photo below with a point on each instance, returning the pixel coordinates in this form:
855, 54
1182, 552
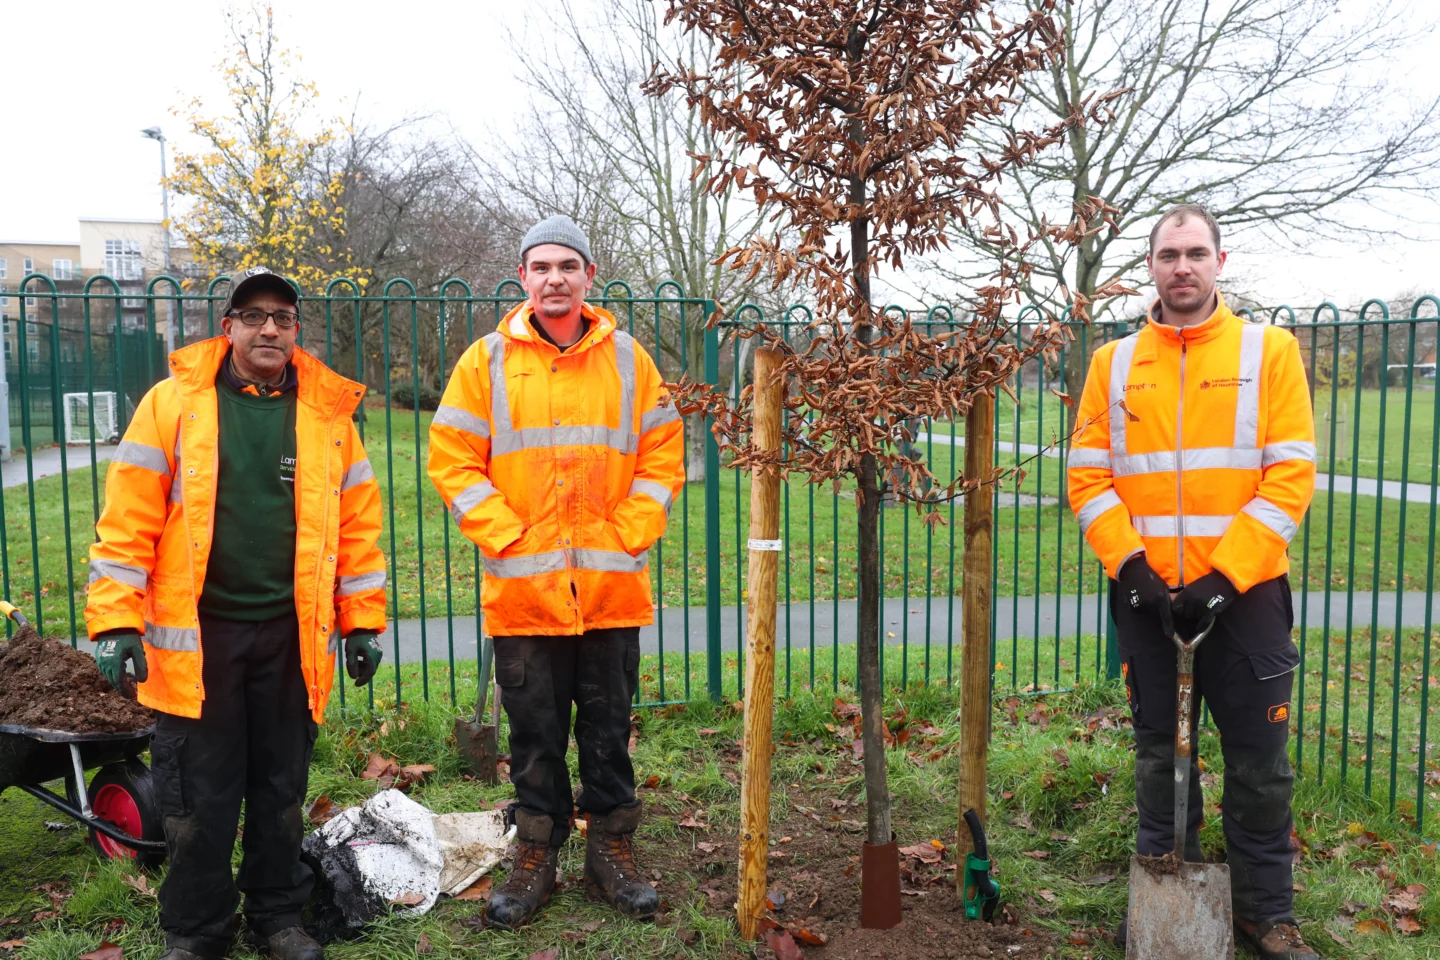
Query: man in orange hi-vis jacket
236, 550
1193, 468
558, 452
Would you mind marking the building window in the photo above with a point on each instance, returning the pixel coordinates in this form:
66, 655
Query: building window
63, 270
122, 260
29, 266
4, 300
4, 268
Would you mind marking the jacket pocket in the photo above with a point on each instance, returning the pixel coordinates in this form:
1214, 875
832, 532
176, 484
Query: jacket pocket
1269, 664
510, 671
166, 752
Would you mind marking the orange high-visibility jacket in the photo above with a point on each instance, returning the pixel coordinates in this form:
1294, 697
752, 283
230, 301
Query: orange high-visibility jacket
1212, 467
148, 569
562, 467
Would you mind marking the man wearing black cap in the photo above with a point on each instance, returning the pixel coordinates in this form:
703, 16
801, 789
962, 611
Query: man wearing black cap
236, 548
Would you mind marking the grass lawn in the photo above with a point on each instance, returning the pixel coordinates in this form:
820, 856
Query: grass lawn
1061, 825
1038, 547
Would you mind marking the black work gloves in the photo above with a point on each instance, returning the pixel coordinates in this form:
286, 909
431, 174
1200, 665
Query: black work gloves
1142, 589
362, 656
112, 649
1205, 599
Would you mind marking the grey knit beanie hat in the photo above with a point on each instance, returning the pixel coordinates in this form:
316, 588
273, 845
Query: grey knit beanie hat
558, 229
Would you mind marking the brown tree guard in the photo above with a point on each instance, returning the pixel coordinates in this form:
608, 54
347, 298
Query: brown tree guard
760, 649
975, 624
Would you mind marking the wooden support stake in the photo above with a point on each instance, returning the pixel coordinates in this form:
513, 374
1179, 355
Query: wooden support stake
760, 660
975, 623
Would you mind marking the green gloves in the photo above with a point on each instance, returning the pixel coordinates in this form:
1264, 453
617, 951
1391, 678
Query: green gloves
362, 656
112, 649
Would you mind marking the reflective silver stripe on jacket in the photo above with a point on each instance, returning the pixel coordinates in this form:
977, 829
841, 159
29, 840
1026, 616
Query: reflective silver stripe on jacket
356, 582
1198, 458
1273, 517
1089, 513
1081, 457
553, 561
177, 489
655, 491
183, 639
1119, 376
470, 498
1247, 396
658, 417
128, 574
142, 455
462, 420
506, 439
334, 643
1289, 450
356, 474
1195, 526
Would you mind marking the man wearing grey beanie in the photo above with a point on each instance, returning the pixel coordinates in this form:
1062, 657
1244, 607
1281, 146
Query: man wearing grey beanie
558, 452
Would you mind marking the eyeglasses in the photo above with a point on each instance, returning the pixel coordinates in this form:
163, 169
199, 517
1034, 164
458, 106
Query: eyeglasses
257, 318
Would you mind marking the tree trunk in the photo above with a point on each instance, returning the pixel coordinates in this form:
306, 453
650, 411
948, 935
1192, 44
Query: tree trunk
867, 647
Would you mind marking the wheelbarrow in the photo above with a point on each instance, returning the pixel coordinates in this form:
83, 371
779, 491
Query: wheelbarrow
118, 806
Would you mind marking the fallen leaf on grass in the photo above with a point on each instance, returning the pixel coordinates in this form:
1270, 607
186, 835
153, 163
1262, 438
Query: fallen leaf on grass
407, 900
1372, 926
1045, 895
652, 782
44, 915
380, 766
1409, 926
550, 954
477, 891
707, 731
414, 773
106, 951
705, 846
423, 945
783, 945
11, 944
139, 883
690, 823
321, 811
1037, 854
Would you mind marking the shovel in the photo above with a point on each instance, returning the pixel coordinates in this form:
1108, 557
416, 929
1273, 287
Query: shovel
479, 742
1180, 909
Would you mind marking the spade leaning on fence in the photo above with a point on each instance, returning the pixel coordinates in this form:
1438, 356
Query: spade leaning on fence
236, 548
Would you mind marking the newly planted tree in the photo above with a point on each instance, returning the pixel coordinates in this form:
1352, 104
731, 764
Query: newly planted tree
852, 122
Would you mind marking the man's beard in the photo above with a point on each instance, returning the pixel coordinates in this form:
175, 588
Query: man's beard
1187, 301
555, 311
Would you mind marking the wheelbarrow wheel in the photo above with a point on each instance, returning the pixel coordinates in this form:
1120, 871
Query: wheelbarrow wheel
124, 794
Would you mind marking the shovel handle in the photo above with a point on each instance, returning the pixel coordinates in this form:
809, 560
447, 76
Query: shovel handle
487, 659
1184, 715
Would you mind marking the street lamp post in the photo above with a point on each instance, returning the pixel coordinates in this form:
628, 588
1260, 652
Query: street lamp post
154, 134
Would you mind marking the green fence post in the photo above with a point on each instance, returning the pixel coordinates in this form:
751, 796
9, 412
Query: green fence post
1112, 645
712, 519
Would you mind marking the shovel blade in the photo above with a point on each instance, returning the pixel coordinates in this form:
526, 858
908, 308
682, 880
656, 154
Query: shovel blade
1179, 911
479, 745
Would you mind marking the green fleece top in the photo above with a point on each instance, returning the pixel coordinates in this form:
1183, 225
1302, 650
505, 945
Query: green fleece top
251, 573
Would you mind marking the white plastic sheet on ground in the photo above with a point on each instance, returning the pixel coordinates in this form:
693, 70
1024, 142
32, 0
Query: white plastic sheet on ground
394, 853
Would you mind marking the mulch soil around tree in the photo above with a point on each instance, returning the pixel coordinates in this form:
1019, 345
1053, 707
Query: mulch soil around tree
814, 884
45, 684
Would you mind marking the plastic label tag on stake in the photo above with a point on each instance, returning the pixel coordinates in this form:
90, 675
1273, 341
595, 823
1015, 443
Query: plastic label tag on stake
769, 546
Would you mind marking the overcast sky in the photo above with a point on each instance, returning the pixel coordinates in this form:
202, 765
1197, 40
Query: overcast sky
93, 77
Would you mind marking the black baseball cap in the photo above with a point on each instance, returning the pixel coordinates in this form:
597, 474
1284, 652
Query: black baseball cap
259, 280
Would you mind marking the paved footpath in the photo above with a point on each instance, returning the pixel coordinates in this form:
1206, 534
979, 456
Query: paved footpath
1014, 619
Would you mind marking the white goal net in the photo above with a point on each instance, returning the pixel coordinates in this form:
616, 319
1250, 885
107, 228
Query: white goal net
80, 414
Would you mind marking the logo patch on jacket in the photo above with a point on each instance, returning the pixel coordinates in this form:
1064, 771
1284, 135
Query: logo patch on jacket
287, 469
1279, 713
1218, 382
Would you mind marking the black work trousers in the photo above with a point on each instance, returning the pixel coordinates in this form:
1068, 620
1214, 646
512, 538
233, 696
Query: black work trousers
540, 677
252, 743
1243, 672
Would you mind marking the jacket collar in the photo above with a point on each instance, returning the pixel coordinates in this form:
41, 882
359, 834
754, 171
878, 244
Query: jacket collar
1158, 334
196, 366
518, 325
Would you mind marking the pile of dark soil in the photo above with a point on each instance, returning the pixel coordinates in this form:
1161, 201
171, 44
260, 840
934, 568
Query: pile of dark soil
45, 684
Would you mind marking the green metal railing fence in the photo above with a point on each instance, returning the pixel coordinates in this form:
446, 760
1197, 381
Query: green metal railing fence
1363, 564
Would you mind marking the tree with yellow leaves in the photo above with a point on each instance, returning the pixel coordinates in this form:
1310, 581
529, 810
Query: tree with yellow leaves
261, 193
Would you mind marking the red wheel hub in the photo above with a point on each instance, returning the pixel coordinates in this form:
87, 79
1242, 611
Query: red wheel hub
114, 803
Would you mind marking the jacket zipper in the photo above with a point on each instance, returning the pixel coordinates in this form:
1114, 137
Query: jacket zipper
1180, 468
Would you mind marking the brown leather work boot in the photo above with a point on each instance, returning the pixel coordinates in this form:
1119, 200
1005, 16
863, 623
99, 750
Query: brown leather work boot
1275, 939
610, 871
532, 878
